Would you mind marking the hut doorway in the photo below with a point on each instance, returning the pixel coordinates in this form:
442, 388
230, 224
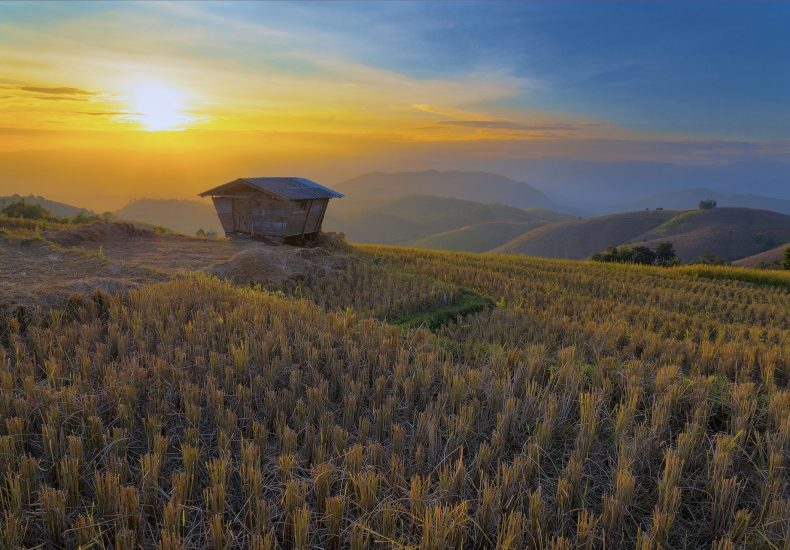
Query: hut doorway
242, 216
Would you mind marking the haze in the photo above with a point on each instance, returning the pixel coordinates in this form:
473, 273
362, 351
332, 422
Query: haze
101, 103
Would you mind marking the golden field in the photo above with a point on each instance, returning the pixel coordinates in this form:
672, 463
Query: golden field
569, 405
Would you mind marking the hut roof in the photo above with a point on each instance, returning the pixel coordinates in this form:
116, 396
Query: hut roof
285, 187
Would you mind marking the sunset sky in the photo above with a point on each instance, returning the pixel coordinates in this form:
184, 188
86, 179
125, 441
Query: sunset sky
103, 102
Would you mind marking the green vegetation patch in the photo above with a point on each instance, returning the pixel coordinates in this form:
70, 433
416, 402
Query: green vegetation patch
465, 303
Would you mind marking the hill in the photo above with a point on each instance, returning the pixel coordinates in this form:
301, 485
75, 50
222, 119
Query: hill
481, 237
186, 216
580, 239
771, 257
59, 209
378, 187
409, 219
690, 198
729, 233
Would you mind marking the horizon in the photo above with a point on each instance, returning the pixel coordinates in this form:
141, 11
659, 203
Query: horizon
103, 103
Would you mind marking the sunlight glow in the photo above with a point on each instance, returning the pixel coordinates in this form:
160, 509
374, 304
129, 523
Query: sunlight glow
158, 106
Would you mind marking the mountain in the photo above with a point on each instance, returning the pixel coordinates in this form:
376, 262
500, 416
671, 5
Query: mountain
729, 233
186, 216
409, 219
580, 239
378, 187
690, 198
599, 187
57, 208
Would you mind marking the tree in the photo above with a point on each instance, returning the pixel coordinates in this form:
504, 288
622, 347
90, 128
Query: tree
643, 255
612, 254
24, 209
707, 204
709, 258
786, 260
666, 255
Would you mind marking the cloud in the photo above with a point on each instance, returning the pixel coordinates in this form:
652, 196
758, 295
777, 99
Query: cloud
105, 113
56, 90
527, 127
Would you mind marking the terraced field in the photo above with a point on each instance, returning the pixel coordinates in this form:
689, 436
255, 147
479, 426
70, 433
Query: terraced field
564, 405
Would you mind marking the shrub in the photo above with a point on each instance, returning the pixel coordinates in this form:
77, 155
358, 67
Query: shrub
708, 258
26, 210
643, 255
786, 258
666, 255
635, 255
707, 204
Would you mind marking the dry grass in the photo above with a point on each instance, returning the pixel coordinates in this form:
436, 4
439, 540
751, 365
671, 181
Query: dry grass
596, 406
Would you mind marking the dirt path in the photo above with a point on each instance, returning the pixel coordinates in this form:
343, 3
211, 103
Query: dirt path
117, 256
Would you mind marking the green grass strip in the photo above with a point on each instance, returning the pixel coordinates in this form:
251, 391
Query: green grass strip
466, 303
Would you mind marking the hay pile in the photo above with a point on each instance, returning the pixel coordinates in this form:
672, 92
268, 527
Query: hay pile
96, 233
261, 264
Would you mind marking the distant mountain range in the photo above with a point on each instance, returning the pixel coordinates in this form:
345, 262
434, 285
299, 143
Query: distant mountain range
604, 187
185, 216
430, 221
481, 212
377, 188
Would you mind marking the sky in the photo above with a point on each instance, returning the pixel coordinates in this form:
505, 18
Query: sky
104, 102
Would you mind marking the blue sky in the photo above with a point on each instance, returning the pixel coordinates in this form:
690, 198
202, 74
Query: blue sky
701, 68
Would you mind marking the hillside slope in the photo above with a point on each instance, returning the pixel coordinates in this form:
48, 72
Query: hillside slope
580, 239
377, 188
409, 219
690, 198
480, 237
186, 216
729, 233
769, 257
57, 208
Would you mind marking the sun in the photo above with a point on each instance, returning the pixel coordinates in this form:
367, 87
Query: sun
158, 106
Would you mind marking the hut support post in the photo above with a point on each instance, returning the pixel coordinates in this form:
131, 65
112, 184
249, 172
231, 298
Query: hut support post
307, 217
321, 218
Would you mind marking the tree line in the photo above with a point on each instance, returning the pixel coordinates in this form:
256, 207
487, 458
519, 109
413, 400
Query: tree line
664, 255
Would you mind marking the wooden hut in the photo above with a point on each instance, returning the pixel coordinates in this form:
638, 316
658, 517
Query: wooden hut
276, 208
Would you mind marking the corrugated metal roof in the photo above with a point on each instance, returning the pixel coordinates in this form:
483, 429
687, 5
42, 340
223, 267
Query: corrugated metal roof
286, 187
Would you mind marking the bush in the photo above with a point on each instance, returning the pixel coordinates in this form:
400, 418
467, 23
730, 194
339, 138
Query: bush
707, 204
26, 210
786, 259
666, 255
709, 258
643, 255
635, 255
